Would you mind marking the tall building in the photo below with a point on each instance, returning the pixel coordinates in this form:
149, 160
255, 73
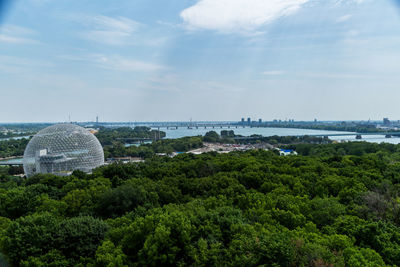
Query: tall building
242, 120
248, 120
386, 121
259, 120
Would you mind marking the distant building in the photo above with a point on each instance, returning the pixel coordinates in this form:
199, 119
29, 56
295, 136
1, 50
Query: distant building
259, 120
386, 122
248, 120
242, 120
287, 152
92, 131
124, 160
61, 149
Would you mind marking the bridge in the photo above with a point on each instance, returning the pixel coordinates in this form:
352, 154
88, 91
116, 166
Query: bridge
198, 126
177, 125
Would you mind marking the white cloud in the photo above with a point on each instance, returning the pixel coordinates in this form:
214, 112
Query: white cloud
359, 1
340, 2
237, 15
335, 75
124, 64
108, 30
116, 31
40, 2
119, 24
273, 72
343, 18
117, 63
245, 16
107, 37
4, 38
17, 30
11, 64
352, 33
16, 35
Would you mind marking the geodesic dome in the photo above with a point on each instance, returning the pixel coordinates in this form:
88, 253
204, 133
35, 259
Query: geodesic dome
60, 149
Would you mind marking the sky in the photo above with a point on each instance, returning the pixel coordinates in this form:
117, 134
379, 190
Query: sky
176, 60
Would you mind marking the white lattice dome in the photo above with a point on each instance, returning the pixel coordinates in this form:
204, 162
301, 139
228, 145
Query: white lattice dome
60, 149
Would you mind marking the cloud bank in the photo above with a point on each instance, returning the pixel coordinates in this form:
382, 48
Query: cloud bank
237, 15
244, 16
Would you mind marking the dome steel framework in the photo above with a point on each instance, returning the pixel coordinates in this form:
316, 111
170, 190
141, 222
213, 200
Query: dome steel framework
60, 149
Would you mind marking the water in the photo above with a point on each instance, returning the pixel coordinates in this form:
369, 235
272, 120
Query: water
11, 161
14, 138
184, 131
137, 144
368, 138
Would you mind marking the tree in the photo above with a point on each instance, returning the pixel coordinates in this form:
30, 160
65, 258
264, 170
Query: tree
79, 237
29, 236
211, 136
124, 198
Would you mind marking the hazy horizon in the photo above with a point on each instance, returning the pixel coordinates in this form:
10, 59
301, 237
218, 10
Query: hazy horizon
193, 121
209, 60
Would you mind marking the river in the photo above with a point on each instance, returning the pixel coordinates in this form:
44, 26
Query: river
184, 131
15, 138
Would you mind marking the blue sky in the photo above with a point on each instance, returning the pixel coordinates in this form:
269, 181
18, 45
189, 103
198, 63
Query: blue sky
158, 60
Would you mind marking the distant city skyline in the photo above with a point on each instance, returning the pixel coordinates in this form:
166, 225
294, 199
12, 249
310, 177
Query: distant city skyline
210, 60
252, 120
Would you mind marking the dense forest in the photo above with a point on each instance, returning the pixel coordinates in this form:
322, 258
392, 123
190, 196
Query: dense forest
18, 130
13, 147
15, 134
184, 144
119, 149
334, 205
229, 137
107, 136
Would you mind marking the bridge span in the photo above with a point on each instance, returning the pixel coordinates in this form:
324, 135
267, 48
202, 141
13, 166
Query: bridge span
199, 126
